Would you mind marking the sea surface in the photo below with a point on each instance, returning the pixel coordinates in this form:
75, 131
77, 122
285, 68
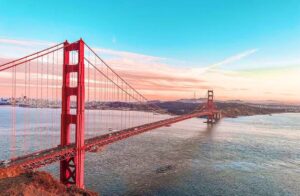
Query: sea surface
256, 155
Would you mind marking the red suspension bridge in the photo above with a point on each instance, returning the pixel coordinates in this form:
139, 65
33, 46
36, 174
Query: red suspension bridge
68, 91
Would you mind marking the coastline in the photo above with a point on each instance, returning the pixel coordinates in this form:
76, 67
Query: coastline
27, 183
228, 110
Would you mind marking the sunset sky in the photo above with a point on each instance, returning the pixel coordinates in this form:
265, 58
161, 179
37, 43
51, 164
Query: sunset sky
247, 50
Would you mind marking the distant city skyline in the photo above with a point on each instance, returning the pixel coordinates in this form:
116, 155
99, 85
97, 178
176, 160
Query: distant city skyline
247, 50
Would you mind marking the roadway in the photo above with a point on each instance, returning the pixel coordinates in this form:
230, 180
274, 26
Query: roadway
48, 156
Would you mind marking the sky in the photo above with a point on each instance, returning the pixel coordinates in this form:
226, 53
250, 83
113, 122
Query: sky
246, 50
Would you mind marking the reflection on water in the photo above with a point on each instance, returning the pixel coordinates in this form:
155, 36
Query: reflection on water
258, 155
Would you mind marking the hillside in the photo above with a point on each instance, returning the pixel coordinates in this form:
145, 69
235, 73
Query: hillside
37, 183
231, 110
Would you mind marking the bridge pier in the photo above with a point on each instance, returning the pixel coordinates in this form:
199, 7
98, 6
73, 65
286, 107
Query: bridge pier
72, 169
210, 119
217, 116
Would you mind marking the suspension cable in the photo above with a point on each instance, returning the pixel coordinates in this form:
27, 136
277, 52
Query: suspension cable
155, 106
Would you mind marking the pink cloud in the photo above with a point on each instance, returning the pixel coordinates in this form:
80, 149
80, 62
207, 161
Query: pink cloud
156, 79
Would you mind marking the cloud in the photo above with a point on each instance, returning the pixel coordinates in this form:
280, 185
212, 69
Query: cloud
125, 55
156, 78
226, 61
14, 48
234, 58
24, 42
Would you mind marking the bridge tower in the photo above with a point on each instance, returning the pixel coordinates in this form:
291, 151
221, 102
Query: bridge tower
72, 169
210, 106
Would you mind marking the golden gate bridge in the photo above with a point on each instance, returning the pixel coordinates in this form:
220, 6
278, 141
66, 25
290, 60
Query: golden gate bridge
84, 97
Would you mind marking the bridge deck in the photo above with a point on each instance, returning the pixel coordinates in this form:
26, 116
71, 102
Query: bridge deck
46, 157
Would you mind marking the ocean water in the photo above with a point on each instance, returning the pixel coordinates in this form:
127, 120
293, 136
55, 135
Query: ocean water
256, 155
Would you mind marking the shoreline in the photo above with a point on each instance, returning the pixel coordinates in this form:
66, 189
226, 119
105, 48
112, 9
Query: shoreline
259, 114
27, 183
227, 112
